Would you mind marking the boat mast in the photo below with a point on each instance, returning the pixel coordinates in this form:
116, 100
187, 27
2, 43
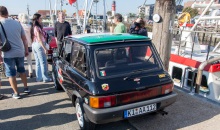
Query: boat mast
77, 14
56, 7
201, 17
28, 10
203, 13
85, 15
90, 10
50, 7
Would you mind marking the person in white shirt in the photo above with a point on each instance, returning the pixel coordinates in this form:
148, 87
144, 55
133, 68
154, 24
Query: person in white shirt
25, 22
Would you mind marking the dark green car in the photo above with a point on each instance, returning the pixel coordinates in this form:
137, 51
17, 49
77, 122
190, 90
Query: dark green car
111, 77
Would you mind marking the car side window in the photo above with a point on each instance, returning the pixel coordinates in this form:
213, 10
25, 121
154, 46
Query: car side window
79, 58
66, 50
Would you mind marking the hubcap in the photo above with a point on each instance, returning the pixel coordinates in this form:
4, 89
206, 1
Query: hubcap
79, 115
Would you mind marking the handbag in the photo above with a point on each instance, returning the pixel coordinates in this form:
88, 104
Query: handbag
6, 45
29, 49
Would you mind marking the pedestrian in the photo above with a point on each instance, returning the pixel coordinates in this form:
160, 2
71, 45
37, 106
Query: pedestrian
25, 23
138, 27
1, 95
62, 29
15, 56
39, 49
120, 27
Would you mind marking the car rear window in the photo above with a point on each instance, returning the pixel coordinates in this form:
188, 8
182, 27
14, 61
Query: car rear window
124, 60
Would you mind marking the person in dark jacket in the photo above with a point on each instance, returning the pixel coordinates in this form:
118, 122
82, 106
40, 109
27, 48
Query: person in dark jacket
62, 29
138, 27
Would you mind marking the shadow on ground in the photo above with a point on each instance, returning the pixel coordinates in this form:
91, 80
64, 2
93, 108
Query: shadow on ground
39, 116
186, 111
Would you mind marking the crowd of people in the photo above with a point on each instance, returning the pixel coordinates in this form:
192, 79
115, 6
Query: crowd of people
26, 37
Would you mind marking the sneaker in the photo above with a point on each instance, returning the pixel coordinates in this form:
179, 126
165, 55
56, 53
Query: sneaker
39, 80
27, 90
15, 96
48, 80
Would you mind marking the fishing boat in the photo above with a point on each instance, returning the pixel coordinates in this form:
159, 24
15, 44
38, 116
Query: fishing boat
195, 66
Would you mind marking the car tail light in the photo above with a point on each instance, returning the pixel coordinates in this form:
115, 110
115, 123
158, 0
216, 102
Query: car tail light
101, 102
167, 88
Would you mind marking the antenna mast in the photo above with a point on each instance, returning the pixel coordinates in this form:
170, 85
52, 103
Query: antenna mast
28, 10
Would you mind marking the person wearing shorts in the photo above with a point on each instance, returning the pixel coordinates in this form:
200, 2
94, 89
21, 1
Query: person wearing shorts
14, 58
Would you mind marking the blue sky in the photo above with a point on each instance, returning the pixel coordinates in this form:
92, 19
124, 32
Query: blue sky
122, 6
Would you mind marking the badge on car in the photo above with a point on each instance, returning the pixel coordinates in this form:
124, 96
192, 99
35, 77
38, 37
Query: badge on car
162, 75
105, 87
102, 73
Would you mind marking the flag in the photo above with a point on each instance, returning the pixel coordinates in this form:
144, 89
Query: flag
71, 1
102, 73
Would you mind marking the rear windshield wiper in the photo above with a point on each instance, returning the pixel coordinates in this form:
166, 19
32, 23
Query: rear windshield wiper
129, 77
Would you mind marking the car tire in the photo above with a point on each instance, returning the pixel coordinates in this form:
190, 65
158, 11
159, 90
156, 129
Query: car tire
57, 85
83, 121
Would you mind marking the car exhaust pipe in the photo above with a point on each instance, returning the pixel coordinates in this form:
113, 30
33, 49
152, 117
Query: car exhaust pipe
162, 112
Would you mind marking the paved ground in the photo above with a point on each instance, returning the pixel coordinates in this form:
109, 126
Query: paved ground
46, 108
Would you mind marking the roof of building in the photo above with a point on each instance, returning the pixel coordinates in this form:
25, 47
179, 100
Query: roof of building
108, 37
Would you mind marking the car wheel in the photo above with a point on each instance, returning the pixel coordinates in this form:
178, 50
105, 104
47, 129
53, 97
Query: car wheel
84, 122
57, 85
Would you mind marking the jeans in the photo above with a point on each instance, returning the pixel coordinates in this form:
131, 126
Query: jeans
10, 64
41, 62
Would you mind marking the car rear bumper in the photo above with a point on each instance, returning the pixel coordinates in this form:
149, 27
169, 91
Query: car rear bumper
106, 115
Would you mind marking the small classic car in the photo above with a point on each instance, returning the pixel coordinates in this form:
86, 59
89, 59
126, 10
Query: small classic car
111, 77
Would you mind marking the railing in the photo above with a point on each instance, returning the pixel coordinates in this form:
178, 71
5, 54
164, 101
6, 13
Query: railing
200, 70
210, 39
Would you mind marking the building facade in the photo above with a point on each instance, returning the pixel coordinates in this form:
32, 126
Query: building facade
190, 2
147, 10
45, 14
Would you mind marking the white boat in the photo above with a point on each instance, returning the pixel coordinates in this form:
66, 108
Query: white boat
189, 58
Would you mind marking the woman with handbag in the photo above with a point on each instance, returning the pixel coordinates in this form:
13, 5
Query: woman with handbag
39, 49
25, 23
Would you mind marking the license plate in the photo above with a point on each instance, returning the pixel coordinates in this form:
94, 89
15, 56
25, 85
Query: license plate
140, 110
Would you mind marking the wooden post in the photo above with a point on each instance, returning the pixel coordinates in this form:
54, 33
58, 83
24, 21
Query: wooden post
162, 35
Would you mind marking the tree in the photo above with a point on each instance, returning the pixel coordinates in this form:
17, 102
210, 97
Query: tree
193, 12
131, 15
142, 15
162, 35
109, 13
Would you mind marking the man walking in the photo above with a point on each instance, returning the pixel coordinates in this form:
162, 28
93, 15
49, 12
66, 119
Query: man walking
120, 27
62, 29
15, 56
